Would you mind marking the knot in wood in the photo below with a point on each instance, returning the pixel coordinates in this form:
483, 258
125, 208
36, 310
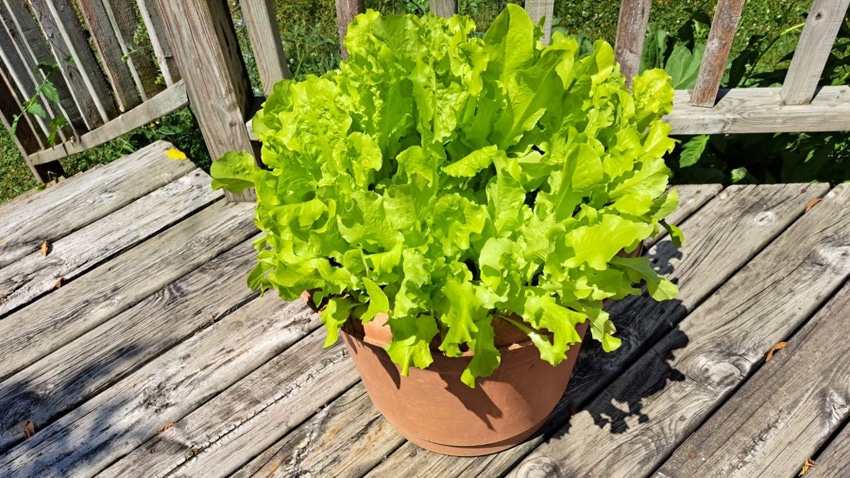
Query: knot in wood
541, 467
764, 218
720, 374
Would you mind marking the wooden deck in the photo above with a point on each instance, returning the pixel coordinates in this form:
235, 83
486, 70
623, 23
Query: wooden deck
133, 347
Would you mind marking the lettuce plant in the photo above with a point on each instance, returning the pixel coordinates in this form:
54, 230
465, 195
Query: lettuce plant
448, 178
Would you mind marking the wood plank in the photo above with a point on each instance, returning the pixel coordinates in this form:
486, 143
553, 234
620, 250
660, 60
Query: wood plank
631, 427
156, 33
712, 252
122, 16
61, 381
813, 49
47, 324
761, 110
802, 393
340, 440
71, 52
264, 34
80, 200
29, 39
631, 33
691, 198
717, 48
443, 8
24, 78
165, 390
834, 461
75, 254
106, 41
247, 418
170, 100
28, 136
203, 39
346, 10
544, 9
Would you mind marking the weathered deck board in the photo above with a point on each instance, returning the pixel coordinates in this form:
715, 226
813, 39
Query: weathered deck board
247, 418
54, 321
639, 419
73, 255
792, 396
56, 384
707, 258
834, 461
118, 420
691, 198
83, 199
346, 438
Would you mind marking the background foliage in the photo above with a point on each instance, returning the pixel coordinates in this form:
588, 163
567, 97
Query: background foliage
761, 47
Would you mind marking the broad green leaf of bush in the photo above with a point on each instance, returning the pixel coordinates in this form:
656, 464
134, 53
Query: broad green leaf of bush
446, 178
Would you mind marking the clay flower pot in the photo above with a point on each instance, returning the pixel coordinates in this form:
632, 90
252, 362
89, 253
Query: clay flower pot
435, 410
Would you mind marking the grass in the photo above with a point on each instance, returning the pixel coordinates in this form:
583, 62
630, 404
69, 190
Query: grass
310, 41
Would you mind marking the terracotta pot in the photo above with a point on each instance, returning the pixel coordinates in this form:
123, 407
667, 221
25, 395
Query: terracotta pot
435, 410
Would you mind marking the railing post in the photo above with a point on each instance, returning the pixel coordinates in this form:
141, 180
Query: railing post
203, 40
346, 10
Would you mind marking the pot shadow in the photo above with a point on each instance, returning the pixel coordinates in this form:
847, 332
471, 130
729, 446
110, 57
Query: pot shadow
25, 400
608, 384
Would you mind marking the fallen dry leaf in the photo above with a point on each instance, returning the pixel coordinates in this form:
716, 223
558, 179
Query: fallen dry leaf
166, 427
809, 463
45, 248
812, 203
59, 283
779, 346
692, 455
29, 429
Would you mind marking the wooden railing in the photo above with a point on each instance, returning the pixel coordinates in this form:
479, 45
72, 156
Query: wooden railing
101, 103
106, 87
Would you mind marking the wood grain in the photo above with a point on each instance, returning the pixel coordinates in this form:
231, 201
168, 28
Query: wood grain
803, 392
159, 41
443, 8
813, 49
47, 324
28, 137
345, 438
247, 418
73, 255
761, 110
544, 9
25, 32
160, 105
630, 427
346, 10
631, 33
264, 33
122, 16
712, 252
61, 381
691, 198
717, 48
83, 199
202, 37
165, 390
834, 461
71, 52
111, 52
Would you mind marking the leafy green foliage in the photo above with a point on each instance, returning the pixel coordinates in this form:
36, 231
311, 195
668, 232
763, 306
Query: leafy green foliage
443, 178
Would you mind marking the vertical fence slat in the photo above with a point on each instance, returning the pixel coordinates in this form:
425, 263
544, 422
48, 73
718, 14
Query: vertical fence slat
203, 39
723, 27
31, 44
443, 8
122, 16
538, 9
27, 137
156, 34
264, 34
111, 54
346, 10
70, 48
631, 33
813, 50
23, 78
